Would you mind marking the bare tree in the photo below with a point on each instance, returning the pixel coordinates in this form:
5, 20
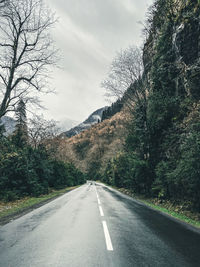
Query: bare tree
42, 131
125, 72
26, 51
3, 3
127, 81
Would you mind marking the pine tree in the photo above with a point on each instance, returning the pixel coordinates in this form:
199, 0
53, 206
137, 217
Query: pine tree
20, 136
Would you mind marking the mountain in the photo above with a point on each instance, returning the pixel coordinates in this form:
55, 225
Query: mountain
66, 124
91, 150
94, 118
9, 124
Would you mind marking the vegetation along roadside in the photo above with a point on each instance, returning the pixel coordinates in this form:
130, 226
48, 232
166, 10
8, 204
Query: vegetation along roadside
179, 210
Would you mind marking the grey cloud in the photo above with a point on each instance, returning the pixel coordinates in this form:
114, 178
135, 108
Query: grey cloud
88, 34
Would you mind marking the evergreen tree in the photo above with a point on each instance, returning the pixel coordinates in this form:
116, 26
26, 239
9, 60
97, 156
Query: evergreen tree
20, 136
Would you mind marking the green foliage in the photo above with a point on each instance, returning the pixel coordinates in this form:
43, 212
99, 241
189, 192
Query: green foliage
113, 109
160, 187
65, 174
27, 171
187, 172
20, 136
9, 196
94, 170
127, 171
163, 142
107, 176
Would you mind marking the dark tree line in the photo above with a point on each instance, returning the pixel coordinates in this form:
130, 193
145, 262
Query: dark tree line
112, 110
29, 171
161, 157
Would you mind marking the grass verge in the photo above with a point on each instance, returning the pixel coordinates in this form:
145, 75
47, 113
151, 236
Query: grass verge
13, 209
180, 211
189, 218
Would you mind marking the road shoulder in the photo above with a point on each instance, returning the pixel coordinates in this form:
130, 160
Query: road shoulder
171, 212
10, 211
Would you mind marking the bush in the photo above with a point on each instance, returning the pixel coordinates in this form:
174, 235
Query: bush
186, 175
128, 171
27, 171
9, 196
160, 187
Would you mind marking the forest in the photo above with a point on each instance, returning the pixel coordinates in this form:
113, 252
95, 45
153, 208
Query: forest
161, 152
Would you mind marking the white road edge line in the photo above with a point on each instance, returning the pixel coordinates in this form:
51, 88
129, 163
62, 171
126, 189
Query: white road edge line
99, 202
101, 211
107, 236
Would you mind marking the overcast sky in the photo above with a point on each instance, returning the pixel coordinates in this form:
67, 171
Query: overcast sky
88, 34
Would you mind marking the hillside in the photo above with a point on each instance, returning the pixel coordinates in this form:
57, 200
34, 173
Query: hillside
94, 118
91, 149
162, 156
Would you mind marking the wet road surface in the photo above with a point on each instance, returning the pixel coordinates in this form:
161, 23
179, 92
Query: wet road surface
96, 226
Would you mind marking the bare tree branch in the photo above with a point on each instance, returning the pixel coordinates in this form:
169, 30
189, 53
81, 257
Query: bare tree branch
26, 49
126, 70
41, 131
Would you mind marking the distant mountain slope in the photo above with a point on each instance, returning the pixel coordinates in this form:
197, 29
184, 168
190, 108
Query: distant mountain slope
94, 118
9, 124
113, 109
66, 124
92, 149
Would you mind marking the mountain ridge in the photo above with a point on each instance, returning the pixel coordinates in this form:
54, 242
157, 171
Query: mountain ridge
92, 119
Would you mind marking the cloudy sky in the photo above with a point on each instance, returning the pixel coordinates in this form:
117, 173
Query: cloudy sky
88, 34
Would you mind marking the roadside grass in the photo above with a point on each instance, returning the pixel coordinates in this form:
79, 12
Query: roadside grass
178, 215
177, 211
17, 206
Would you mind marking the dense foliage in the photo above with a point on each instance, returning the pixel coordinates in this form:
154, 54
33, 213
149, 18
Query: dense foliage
112, 110
25, 171
162, 149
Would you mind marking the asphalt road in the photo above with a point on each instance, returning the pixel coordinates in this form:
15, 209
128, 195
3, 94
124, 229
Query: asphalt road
97, 226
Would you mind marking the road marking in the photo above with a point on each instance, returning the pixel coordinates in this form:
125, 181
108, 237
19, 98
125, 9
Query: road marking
99, 202
101, 211
107, 236
96, 191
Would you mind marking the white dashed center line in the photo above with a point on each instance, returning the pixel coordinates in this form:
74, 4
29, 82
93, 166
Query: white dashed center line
107, 236
105, 228
101, 211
